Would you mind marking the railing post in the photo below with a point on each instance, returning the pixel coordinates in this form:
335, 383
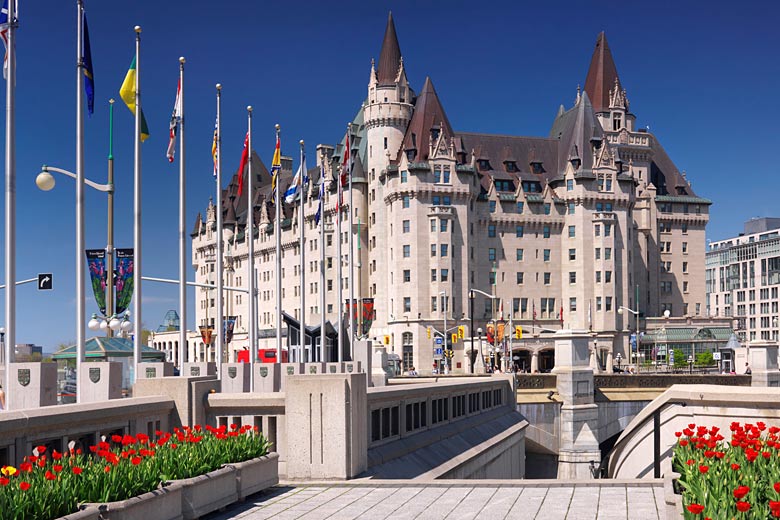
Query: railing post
657, 443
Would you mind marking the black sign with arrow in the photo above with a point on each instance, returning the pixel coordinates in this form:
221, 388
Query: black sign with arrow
45, 282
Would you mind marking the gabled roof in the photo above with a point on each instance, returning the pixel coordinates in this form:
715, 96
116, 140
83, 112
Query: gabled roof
601, 75
428, 114
574, 129
390, 56
665, 175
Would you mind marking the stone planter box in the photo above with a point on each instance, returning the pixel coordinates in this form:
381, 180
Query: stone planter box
672, 501
206, 493
256, 475
190, 498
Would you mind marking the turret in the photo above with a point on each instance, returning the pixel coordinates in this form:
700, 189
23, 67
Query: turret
606, 94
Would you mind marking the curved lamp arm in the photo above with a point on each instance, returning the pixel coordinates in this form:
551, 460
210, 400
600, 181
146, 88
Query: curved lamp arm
106, 188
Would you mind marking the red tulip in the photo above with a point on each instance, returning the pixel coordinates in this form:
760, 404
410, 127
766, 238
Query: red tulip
136, 461
704, 469
56, 455
24, 486
690, 462
683, 443
695, 508
735, 467
743, 506
773, 505
50, 476
77, 470
4, 481
740, 492
57, 468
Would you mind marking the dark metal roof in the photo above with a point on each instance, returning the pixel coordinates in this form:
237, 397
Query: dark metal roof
390, 57
602, 75
428, 114
574, 129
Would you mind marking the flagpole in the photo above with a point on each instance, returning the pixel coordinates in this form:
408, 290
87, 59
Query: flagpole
278, 233
137, 345
249, 234
322, 256
352, 307
220, 245
302, 257
182, 218
339, 276
110, 285
10, 202
80, 267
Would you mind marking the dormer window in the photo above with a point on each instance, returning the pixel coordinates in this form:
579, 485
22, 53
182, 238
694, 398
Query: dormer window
411, 154
617, 121
414, 139
536, 167
504, 185
483, 164
435, 133
511, 166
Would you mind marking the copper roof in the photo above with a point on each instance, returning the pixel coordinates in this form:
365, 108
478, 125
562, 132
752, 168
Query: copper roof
428, 114
601, 75
390, 57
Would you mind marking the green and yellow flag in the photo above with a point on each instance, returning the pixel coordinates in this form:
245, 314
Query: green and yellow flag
127, 93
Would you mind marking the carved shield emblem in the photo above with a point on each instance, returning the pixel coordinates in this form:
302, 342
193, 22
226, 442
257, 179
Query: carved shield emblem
232, 372
194, 371
290, 371
151, 372
23, 375
312, 369
332, 369
263, 371
349, 368
94, 375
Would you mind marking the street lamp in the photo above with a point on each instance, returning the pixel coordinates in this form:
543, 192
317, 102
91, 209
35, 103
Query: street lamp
690, 364
620, 311
471, 309
2, 345
618, 358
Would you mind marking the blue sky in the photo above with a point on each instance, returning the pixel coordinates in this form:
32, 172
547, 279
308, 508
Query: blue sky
704, 79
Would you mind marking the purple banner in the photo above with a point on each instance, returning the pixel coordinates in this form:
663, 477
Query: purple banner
96, 263
124, 279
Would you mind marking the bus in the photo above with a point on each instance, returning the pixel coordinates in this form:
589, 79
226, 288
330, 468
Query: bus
264, 355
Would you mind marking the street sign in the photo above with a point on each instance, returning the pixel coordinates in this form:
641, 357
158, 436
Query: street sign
438, 353
45, 282
716, 356
439, 341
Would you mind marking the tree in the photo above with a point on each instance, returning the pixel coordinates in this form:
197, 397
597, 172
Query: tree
679, 358
705, 359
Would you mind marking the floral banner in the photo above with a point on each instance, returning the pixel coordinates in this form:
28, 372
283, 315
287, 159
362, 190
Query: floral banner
368, 314
124, 279
96, 263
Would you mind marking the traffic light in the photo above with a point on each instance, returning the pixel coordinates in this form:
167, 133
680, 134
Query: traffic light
454, 338
387, 340
461, 331
428, 329
518, 332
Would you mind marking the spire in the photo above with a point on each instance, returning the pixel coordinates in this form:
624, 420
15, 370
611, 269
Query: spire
390, 57
429, 118
602, 75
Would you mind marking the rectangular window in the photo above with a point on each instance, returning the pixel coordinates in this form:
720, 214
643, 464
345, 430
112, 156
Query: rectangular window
445, 274
407, 304
608, 206
546, 254
597, 230
444, 249
433, 275
519, 254
407, 275
685, 228
446, 175
436, 174
571, 231
407, 251
433, 249
598, 276
685, 248
546, 232
405, 201
607, 253
571, 208
685, 267
492, 206
519, 207
607, 276
607, 229
546, 208
572, 277
443, 225
599, 207
404, 176
685, 287
572, 304
598, 253
598, 303
546, 278
492, 278
492, 254
434, 302
519, 231
436, 200
433, 225
569, 184
447, 200
520, 278
572, 254
608, 304
491, 230
406, 226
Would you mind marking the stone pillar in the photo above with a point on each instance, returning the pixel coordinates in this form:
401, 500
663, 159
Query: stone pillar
268, 377
610, 362
32, 385
763, 363
235, 377
578, 445
200, 368
101, 381
534, 362
327, 435
380, 371
594, 362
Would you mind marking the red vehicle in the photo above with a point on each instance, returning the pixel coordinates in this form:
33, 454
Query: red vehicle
264, 355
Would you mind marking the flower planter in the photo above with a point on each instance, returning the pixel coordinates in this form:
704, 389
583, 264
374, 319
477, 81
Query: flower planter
206, 493
253, 476
164, 503
672, 501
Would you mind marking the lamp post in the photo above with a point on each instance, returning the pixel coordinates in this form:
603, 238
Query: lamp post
471, 308
479, 339
444, 333
2, 345
618, 358
620, 311
690, 364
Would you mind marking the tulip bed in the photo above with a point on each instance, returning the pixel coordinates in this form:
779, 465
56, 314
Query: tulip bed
49, 485
736, 479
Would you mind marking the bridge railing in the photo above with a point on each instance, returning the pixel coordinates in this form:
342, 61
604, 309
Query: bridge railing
667, 380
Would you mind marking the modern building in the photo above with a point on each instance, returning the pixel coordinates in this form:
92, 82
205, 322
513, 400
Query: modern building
743, 276
563, 229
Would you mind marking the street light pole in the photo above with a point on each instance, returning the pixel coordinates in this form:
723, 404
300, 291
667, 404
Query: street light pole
471, 329
80, 267
444, 332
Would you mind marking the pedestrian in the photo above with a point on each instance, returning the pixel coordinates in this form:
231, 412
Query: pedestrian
747, 369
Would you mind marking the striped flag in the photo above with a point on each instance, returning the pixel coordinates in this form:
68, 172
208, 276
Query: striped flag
214, 146
174, 125
242, 165
297, 184
4, 34
276, 164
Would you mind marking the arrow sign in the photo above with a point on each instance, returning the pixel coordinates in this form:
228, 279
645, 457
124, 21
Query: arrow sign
45, 282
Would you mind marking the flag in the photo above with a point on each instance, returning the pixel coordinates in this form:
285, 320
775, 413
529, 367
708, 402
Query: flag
242, 165
127, 93
561, 315
297, 184
534, 313
590, 315
175, 117
89, 79
343, 180
4, 34
276, 164
214, 146
318, 215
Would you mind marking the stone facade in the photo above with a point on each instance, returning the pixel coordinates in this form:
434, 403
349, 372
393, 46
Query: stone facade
561, 229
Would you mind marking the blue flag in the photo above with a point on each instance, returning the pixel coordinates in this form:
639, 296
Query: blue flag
318, 215
89, 80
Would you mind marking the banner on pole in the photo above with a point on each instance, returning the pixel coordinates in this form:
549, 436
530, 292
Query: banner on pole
368, 315
124, 279
96, 263
227, 329
206, 334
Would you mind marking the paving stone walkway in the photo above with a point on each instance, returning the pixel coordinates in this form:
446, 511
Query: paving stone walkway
457, 500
